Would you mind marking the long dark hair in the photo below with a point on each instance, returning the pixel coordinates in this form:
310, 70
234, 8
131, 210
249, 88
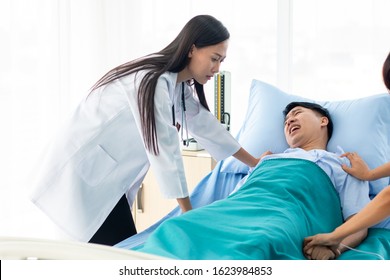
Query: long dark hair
386, 72
201, 31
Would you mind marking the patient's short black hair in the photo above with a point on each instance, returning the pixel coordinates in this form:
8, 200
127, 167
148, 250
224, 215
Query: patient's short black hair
315, 107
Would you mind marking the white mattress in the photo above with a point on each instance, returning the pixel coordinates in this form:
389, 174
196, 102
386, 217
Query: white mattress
15, 248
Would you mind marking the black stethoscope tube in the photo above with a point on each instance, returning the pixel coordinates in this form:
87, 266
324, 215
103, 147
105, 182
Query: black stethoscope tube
183, 116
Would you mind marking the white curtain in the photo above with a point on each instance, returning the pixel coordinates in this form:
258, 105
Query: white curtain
52, 51
339, 47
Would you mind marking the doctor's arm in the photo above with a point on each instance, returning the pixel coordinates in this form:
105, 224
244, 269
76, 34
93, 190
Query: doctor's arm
245, 157
184, 204
213, 136
168, 165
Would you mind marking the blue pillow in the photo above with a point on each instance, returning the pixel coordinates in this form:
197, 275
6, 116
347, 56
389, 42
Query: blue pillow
360, 125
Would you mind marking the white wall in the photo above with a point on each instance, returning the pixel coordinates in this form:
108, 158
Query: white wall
52, 51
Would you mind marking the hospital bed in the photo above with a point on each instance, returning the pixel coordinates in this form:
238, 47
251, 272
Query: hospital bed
361, 125
24, 248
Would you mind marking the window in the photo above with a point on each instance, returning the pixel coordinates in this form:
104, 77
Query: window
339, 47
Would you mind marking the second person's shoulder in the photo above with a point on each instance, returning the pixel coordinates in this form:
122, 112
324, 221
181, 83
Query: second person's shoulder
167, 80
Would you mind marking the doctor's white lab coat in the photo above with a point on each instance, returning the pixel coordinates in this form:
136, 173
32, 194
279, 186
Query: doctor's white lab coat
100, 154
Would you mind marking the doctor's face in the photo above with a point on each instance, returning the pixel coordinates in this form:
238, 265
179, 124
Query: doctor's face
205, 62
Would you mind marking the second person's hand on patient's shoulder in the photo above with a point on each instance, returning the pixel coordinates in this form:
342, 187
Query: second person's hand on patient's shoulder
359, 168
362, 171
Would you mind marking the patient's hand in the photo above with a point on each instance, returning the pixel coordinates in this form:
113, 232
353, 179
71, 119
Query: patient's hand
320, 253
323, 239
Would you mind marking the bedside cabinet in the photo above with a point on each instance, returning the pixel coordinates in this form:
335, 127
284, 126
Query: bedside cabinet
150, 206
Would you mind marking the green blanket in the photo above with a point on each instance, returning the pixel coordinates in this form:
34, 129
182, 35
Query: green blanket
376, 246
283, 201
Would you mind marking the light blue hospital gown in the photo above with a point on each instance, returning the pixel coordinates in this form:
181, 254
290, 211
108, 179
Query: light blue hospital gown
353, 193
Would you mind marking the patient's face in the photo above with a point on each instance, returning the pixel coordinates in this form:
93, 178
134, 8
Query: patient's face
306, 129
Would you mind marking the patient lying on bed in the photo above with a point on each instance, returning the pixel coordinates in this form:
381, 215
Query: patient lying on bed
286, 197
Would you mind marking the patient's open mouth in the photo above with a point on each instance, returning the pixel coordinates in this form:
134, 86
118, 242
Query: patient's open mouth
293, 128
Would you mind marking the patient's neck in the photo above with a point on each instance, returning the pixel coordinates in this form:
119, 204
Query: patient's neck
316, 145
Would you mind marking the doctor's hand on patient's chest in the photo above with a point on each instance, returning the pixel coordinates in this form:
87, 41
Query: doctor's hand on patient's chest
261, 157
267, 153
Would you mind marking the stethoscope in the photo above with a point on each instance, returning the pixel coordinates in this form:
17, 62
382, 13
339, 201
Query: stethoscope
183, 118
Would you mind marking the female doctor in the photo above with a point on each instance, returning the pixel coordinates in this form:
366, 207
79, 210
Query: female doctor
129, 122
